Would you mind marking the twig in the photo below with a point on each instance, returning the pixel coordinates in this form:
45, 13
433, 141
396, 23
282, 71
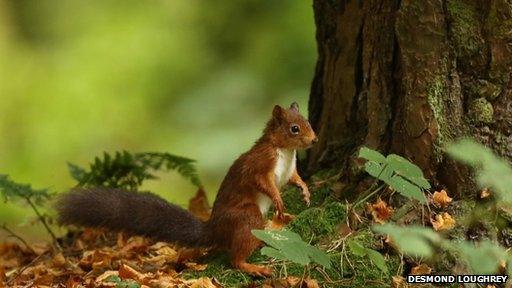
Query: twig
12, 234
25, 268
368, 196
45, 224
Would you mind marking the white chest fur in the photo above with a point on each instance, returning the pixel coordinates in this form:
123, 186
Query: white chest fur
285, 165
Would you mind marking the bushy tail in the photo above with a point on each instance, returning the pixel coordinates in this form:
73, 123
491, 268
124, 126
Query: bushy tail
138, 213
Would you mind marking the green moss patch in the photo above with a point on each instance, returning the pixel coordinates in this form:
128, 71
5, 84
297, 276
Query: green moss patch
481, 111
314, 223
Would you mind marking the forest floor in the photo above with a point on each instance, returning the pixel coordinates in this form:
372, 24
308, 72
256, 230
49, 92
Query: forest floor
97, 258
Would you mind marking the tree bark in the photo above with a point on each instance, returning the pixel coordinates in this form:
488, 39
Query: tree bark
409, 76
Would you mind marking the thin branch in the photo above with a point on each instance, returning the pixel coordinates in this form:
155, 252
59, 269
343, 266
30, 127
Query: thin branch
12, 234
43, 220
25, 268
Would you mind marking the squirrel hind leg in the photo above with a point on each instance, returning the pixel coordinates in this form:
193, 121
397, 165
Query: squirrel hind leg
241, 248
244, 243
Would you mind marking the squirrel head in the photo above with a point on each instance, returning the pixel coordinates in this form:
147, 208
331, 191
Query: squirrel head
289, 129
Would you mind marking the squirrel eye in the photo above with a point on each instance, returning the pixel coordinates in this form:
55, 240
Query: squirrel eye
295, 129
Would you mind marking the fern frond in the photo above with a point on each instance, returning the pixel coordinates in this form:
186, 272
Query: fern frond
129, 171
11, 190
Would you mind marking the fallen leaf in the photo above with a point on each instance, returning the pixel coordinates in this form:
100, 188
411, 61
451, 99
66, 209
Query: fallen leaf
59, 260
311, 283
441, 198
105, 275
195, 266
203, 282
380, 211
422, 269
2, 275
127, 272
293, 281
485, 193
344, 230
398, 282
199, 206
443, 221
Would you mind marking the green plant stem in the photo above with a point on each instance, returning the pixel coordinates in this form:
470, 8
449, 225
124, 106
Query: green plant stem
12, 234
45, 224
369, 195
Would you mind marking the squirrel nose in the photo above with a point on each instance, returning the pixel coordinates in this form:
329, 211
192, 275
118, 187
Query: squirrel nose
315, 140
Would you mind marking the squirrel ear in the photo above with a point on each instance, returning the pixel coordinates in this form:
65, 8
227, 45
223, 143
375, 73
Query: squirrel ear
294, 107
278, 112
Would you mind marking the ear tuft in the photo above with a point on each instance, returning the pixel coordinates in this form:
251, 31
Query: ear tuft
278, 112
294, 107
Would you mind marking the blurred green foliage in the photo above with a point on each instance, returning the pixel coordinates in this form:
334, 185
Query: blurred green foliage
193, 78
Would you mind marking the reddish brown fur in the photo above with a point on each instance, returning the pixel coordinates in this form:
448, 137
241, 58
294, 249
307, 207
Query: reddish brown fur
235, 212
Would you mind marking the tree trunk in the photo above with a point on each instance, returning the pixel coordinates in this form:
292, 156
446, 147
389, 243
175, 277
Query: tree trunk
409, 76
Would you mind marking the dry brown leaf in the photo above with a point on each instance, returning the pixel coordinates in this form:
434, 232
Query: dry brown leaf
105, 275
422, 269
293, 281
73, 282
127, 272
344, 230
311, 283
199, 206
195, 266
2, 275
485, 193
380, 211
443, 221
59, 260
398, 282
203, 282
441, 198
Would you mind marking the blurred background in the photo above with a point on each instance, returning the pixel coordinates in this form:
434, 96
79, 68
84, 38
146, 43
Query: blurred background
193, 78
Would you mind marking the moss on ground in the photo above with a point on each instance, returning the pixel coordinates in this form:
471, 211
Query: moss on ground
293, 203
314, 223
220, 268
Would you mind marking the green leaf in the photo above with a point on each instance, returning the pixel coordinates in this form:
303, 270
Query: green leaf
287, 245
412, 240
374, 169
483, 259
408, 170
274, 253
356, 248
319, 256
491, 171
113, 278
406, 188
371, 155
377, 259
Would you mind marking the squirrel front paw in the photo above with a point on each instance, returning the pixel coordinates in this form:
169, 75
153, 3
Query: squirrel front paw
305, 194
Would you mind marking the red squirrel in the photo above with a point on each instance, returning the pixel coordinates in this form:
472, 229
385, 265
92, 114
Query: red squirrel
248, 190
